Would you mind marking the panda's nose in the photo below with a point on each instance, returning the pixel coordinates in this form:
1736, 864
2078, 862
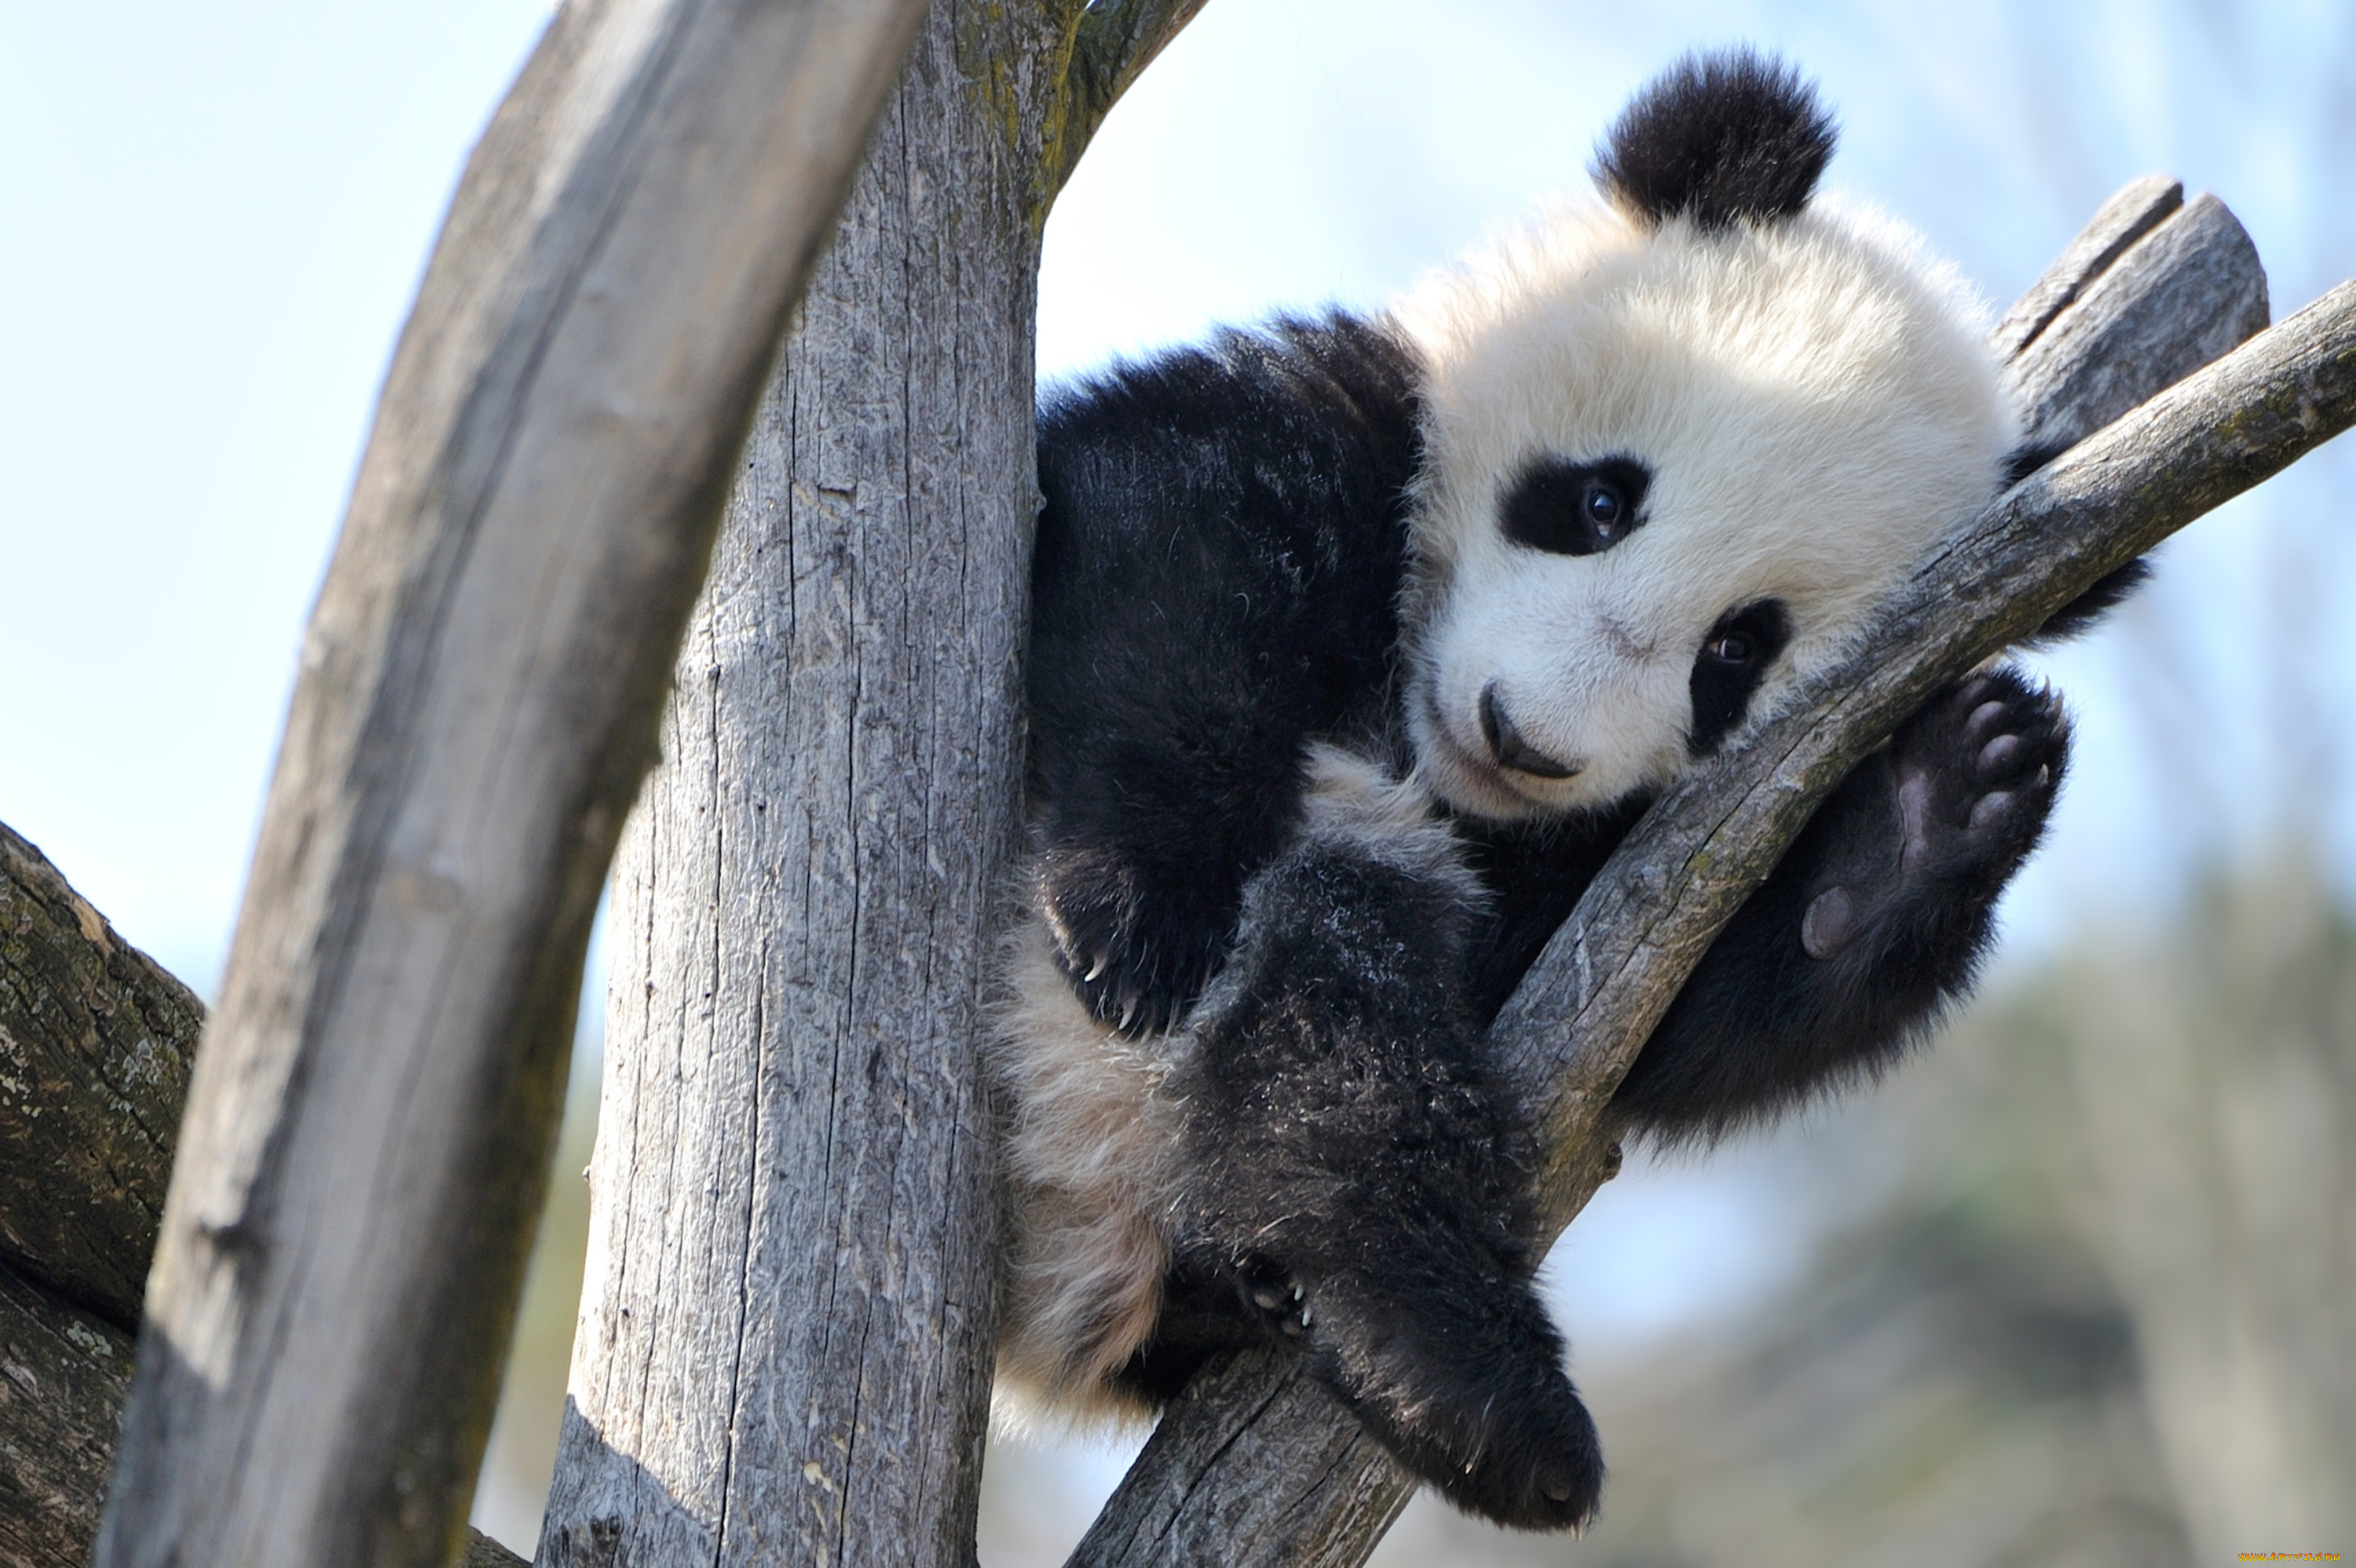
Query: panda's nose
1506, 742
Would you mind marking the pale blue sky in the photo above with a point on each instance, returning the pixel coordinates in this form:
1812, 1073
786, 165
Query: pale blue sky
214, 216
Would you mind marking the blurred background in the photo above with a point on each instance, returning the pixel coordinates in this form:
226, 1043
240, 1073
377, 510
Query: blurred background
2073, 1290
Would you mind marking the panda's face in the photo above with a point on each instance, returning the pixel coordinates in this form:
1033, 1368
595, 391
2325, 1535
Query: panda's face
1668, 474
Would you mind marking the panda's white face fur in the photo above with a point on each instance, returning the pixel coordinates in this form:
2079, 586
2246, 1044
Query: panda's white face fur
1785, 413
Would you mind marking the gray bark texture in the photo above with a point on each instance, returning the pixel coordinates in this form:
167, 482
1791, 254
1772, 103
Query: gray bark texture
95, 1042
786, 1333
368, 1125
63, 1374
2155, 288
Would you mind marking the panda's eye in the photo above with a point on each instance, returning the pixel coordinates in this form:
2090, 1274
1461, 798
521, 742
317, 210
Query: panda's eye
1733, 660
1603, 506
1569, 507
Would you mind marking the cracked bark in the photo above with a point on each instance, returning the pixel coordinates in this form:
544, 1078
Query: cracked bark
784, 1342
1240, 1470
95, 1043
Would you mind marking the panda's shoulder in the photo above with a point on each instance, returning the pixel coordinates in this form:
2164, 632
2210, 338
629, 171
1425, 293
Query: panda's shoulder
1293, 382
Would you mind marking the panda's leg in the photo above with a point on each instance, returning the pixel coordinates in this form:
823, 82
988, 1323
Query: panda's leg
1876, 918
1091, 1153
1356, 1181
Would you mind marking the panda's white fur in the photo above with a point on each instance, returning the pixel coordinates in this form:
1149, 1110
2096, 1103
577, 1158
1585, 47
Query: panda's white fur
1092, 1162
1815, 400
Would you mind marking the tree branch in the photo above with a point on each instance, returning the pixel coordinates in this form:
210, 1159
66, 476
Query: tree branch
95, 1044
1252, 1464
63, 1374
1112, 43
2133, 211
784, 1346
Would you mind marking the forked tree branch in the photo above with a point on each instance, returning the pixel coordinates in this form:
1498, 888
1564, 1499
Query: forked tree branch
1112, 42
1257, 1465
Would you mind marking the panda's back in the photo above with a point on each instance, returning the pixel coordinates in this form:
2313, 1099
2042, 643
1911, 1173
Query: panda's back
1221, 542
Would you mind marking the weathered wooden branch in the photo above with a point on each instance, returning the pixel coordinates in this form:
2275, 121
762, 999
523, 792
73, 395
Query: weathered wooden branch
63, 1374
1256, 1466
1112, 42
786, 1333
369, 1127
95, 1042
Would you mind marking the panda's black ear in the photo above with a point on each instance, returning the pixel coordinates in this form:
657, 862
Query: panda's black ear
1718, 137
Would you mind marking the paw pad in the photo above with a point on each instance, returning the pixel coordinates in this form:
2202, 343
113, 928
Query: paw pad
1970, 781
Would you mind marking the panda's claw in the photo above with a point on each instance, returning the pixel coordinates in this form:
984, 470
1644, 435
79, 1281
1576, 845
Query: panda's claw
1272, 1295
1132, 946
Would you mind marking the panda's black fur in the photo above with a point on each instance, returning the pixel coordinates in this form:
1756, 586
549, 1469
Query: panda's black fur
1243, 1046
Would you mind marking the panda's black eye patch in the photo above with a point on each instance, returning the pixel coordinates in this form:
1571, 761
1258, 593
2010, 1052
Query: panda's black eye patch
1567, 508
1733, 660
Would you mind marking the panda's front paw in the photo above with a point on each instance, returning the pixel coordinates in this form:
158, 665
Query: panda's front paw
1964, 789
1271, 1297
1469, 1393
1137, 954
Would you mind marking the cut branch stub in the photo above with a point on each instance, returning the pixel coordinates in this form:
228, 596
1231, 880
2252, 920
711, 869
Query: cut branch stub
2137, 208
2189, 289
1580, 1015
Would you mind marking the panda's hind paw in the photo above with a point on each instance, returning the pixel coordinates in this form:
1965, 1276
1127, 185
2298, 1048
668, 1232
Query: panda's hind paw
1976, 775
1933, 828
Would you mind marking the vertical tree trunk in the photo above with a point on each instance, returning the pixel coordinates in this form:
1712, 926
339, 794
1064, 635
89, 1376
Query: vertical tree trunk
785, 1331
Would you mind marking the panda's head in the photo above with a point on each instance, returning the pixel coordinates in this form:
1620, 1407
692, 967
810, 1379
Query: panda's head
1677, 447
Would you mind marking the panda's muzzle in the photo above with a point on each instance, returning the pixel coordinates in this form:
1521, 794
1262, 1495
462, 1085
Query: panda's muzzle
1507, 744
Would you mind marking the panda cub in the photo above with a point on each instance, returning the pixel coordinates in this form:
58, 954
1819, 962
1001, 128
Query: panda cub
1357, 646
